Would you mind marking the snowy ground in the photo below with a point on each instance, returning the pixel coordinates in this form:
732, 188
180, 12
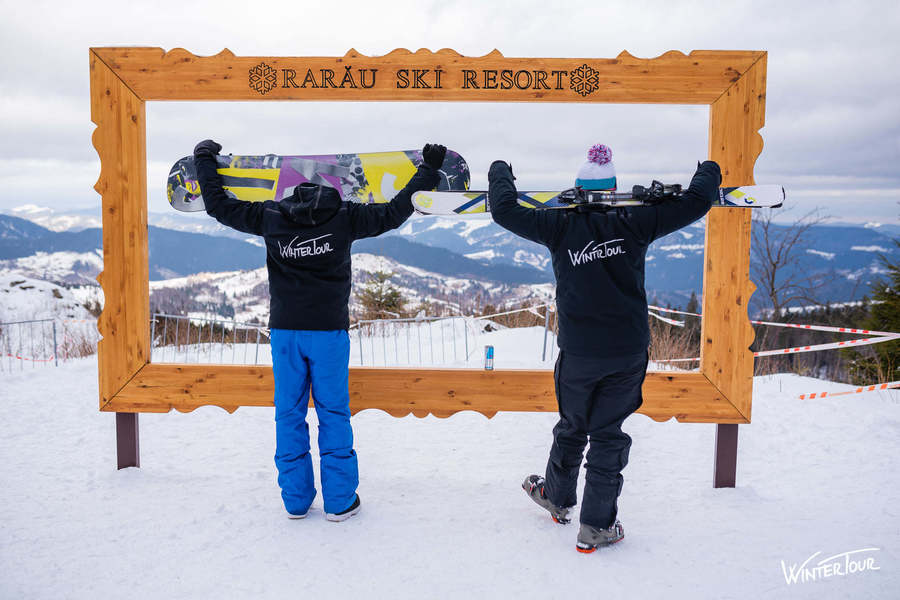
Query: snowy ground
443, 515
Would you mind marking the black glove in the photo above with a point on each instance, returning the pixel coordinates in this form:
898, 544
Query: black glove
433, 155
207, 148
498, 163
712, 165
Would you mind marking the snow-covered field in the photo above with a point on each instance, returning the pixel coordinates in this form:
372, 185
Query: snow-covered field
443, 515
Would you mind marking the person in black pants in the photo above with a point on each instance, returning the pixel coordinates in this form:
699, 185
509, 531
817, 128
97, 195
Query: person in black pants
598, 261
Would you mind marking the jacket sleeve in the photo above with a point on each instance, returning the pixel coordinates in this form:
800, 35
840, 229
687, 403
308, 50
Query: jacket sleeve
654, 222
370, 220
541, 226
237, 214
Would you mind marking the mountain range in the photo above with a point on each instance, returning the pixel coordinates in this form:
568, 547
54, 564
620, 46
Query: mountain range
429, 251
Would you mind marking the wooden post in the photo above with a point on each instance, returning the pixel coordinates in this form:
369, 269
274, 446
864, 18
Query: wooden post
128, 447
725, 464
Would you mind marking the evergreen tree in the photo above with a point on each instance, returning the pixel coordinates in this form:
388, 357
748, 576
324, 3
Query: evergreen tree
885, 316
379, 299
693, 305
883, 362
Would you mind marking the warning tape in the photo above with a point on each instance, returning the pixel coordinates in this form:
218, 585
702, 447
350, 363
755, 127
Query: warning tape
16, 356
883, 336
666, 319
791, 325
893, 385
829, 346
812, 348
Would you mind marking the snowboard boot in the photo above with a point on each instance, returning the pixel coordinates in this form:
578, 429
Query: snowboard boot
591, 538
534, 487
345, 514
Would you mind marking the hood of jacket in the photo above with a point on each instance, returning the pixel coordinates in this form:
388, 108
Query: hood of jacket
311, 204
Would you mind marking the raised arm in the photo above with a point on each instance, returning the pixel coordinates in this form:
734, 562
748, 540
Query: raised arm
369, 220
237, 214
674, 213
541, 226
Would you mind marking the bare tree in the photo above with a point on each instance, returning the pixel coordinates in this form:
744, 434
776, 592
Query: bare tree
776, 269
776, 251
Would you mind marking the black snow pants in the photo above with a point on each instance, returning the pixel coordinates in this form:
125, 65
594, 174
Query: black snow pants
595, 396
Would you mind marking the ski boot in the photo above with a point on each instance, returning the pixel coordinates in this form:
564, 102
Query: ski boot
345, 514
591, 538
534, 487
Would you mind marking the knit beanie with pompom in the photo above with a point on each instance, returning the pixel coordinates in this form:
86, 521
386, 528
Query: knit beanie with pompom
599, 172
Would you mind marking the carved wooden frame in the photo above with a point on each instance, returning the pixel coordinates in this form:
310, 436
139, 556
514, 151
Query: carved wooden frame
732, 83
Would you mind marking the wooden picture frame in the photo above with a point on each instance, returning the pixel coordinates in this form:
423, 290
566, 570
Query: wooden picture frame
732, 83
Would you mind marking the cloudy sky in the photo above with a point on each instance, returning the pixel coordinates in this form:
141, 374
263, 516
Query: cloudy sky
832, 134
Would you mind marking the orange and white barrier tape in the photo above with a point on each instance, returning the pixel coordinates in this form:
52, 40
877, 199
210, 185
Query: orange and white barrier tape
893, 385
812, 348
826, 328
828, 346
666, 319
16, 356
882, 336
789, 325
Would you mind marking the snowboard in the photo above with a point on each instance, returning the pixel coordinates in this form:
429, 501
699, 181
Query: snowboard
467, 203
367, 178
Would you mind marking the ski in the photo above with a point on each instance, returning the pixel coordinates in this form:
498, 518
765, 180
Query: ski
468, 203
368, 178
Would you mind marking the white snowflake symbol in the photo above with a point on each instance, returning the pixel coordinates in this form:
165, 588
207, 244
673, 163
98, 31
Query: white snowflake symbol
262, 78
584, 80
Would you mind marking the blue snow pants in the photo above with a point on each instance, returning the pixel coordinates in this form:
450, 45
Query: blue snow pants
317, 360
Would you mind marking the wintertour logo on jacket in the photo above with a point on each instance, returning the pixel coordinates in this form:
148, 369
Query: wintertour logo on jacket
596, 250
311, 247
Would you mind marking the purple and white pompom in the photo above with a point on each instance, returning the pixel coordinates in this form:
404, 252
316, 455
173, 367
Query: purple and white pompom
600, 154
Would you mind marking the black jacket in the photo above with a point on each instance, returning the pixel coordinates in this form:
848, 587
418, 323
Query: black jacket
598, 259
308, 238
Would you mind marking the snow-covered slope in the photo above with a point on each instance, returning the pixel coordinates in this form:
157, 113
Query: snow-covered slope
24, 299
443, 515
67, 267
210, 294
70, 220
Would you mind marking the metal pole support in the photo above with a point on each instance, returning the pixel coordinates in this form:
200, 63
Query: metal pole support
55, 347
546, 325
128, 448
725, 466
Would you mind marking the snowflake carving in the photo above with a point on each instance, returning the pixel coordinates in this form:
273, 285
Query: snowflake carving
584, 80
262, 78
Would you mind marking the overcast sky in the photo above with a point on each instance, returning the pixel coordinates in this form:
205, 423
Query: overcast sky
832, 134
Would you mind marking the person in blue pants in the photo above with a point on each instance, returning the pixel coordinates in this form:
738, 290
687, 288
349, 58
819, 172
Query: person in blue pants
308, 237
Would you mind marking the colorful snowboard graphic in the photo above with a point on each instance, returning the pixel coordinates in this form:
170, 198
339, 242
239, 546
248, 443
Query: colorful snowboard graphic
367, 178
469, 203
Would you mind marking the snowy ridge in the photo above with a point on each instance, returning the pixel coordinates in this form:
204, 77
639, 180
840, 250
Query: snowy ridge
825, 255
63, 267
247, 291
56, 221
23, 299
870, 249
